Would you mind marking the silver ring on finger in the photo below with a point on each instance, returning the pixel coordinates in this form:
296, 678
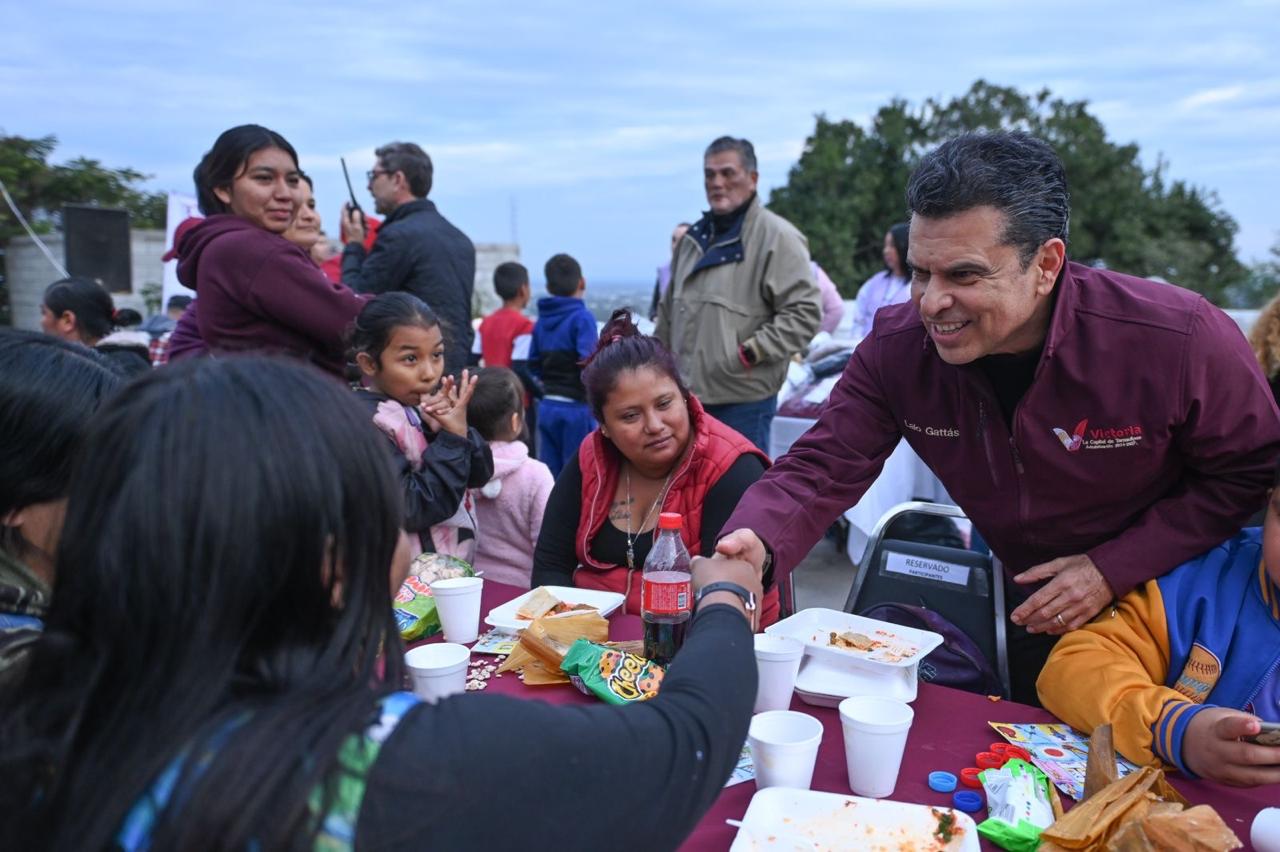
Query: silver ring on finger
1058, 618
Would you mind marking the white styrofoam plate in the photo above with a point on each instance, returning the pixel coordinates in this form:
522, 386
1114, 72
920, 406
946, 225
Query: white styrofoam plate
905, 646
780, 818
504, 617
820, 677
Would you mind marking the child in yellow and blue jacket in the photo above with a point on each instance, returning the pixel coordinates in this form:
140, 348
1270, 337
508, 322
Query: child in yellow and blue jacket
1187, 666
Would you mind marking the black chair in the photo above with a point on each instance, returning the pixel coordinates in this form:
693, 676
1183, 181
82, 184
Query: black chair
962, 586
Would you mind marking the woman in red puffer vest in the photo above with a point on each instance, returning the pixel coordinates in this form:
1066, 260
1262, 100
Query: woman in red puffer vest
655, 450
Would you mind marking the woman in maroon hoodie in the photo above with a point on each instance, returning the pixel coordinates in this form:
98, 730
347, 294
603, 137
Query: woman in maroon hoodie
256, 290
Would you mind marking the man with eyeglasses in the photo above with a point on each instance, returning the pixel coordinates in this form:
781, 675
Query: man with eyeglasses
417, 250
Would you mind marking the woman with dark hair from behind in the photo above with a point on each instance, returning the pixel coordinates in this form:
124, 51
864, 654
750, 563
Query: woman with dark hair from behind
255, 289
80, 310
656, 450
49, 393
212, 680
889, 286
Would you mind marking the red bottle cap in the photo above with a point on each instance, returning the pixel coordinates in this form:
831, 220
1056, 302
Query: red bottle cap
1009, 751
670, 521
990, 760
969, 776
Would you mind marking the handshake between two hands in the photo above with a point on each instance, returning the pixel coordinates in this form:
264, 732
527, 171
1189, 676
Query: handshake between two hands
739, 558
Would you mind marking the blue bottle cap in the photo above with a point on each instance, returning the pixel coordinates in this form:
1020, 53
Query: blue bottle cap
942, 782
967, 801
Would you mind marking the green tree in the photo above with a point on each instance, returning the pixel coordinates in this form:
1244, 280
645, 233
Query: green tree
1262, 284
849, 186
40, 188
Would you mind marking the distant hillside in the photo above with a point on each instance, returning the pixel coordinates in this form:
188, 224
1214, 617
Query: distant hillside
605, 297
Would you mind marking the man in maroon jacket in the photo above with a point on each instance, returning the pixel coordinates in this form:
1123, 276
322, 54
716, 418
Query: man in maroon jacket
1098, 429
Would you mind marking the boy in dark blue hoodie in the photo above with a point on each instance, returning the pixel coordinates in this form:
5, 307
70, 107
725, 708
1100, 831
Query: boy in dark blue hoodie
564, 336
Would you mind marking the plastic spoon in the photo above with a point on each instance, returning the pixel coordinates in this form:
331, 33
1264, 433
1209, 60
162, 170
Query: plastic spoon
795, 840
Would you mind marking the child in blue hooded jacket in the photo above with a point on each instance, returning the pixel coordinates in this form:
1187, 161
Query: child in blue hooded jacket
564, 336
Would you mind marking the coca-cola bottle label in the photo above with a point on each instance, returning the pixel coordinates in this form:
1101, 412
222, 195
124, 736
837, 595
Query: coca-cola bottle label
666, 598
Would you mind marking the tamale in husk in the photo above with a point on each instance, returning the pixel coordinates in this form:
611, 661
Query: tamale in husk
542, 645
1141, 812
1198, 829
1101, 769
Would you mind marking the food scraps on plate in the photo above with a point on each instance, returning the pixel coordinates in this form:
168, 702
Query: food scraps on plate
882, 645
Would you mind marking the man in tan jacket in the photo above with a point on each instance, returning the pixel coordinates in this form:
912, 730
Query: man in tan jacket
742, 298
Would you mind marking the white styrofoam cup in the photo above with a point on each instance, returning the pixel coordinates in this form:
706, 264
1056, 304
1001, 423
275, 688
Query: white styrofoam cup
458, 603
777, 663
784, 748
875, 736
438, 670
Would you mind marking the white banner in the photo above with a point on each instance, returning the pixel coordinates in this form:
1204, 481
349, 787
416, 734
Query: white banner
181, 206
929, 569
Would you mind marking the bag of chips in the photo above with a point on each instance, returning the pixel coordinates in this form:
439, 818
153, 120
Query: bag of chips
1018, 806
611, 675
414, 607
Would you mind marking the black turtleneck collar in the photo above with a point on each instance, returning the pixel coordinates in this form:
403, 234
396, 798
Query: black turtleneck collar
723, 223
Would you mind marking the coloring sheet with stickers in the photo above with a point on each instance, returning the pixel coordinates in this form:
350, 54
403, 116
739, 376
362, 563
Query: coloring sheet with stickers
1059, 750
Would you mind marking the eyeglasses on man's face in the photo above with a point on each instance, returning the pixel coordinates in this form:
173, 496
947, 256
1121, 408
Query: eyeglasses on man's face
373, 173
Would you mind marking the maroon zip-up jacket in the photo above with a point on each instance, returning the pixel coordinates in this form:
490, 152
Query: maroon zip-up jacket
257, 291
1147, 436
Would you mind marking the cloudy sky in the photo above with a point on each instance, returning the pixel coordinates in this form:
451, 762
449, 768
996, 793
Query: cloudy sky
579, 127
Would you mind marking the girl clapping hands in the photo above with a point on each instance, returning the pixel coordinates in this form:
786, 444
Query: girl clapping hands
399, 345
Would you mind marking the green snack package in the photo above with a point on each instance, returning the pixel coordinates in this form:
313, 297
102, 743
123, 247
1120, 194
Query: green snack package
611, 675
1018, 806
414, 607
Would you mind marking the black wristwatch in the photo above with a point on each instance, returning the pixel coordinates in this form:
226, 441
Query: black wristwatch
748, 598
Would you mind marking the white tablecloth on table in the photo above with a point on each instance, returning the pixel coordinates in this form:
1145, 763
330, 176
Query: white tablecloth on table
904, 477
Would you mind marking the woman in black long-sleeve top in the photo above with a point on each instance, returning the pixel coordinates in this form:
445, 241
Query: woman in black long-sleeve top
221, 682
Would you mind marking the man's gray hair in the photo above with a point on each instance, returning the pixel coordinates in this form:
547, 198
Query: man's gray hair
413, 161
1016, 173
746, 153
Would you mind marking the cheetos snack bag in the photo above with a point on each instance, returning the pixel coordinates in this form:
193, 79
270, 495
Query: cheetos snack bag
611, 675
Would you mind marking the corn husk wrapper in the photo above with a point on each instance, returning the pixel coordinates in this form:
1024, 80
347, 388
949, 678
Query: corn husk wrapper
536, 674
1138, 813
542, 645
1101, 769
1131, 837
1198, 829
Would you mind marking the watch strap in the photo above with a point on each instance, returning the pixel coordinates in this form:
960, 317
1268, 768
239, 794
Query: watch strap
748, 598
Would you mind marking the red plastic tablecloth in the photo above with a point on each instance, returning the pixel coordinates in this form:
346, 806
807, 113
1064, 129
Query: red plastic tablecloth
950, 727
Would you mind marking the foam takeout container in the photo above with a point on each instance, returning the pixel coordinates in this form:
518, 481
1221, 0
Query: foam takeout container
504, 618
784, 818
907, 645
829, 674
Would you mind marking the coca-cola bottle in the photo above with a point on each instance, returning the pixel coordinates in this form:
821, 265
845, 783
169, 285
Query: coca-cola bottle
666, 592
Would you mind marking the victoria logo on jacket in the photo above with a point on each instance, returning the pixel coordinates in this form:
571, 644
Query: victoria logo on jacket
1075, 440
1104, 438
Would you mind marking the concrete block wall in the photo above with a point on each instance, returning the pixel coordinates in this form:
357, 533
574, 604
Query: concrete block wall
488, 256
29, 272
